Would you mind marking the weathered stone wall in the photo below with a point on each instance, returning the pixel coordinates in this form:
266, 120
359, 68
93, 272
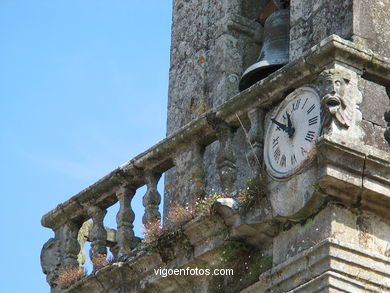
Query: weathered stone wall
313, 20
361, 21
212, 43
371, 20
365, 22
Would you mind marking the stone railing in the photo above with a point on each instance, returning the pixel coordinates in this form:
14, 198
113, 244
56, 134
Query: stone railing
218, 124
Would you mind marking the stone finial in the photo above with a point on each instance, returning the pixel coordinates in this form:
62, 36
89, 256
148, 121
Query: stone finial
226, 160
124, 219
387, 118
98, 234
256, 138
152, 198
340, 99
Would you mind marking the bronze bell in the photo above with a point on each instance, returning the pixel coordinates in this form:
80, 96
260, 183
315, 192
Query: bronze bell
274, 53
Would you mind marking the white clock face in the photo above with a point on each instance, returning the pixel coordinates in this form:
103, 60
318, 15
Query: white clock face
291, 133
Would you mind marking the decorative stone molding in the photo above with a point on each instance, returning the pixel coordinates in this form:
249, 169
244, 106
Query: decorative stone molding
355, 174
329, 265
337, 248
256, 139
340, 102
225, 159
256, 227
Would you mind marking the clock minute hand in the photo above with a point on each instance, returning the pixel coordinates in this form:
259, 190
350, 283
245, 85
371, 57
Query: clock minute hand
280, 125
290, 129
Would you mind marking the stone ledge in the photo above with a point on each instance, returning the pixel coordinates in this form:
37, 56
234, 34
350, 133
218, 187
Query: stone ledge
361, 174
137, 271
326, 265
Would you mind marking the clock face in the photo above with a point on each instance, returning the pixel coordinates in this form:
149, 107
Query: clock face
291, 133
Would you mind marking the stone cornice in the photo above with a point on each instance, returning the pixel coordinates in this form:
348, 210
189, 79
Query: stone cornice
358, 175
329, 263
265, 93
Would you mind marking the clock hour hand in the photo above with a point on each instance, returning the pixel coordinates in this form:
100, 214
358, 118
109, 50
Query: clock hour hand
290, 129
280, 125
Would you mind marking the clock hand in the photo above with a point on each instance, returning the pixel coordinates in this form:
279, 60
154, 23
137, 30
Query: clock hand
280, 125
290, 129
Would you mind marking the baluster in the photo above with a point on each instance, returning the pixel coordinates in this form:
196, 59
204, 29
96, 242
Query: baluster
82, 237
225, 158
125, 238
256, 139
151, 199
71, 246
98, 236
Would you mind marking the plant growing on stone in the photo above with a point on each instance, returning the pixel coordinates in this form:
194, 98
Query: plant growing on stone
255, 190
70, 275
99, 261
153, 231
179, 215
203, 206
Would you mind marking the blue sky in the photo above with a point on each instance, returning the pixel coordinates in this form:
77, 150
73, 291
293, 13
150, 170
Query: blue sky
83, 88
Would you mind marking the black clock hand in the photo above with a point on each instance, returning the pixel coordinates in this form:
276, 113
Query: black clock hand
280, 125
290, 129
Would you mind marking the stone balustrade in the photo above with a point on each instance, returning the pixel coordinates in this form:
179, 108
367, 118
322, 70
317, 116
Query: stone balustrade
246, 108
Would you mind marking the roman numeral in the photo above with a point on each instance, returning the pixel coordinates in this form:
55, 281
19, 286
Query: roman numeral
303, 151
277, 154
283, 161
311, 108
296, 105
293, 159
303, 106
275, 142
313, 120
310, 136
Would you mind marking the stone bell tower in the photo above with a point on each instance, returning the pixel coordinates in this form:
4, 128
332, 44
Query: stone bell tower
281, 108
213, 42
338, 204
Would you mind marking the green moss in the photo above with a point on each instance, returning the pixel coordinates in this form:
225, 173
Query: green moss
247, 263
173, 243
255, 190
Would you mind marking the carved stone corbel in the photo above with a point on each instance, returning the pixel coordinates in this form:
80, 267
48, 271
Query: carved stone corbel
340, 100
226, 160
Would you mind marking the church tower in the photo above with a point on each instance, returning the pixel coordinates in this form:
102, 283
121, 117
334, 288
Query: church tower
276, 160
